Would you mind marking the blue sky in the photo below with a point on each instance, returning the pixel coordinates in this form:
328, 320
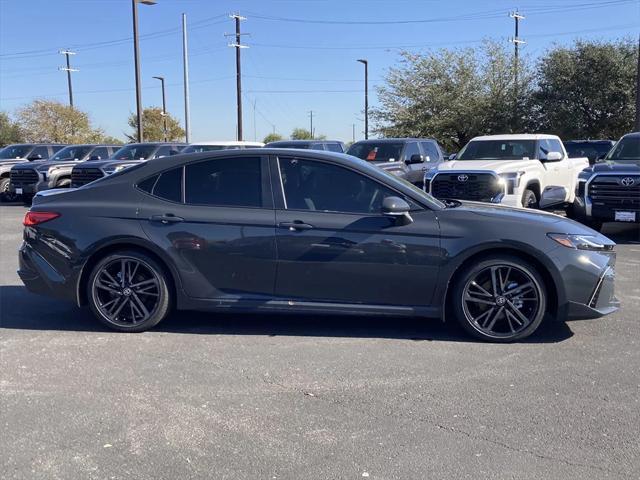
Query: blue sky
302, 53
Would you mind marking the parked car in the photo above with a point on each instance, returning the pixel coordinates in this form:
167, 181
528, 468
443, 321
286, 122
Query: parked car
408, 158
592, 149
609, 191
267, 230
17, 153
519, 170
29, 178
213, 146
126, 156
329, 145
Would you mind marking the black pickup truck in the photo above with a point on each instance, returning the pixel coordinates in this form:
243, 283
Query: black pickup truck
609, 191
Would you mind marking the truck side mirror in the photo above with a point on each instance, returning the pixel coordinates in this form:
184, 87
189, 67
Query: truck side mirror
415, 158
453, 156
554, 157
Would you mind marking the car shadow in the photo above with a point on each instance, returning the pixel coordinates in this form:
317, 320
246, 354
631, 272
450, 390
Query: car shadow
622, 233
22, 310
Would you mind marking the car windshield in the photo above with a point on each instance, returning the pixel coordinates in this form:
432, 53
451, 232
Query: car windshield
587, 149
71, 152
134, 152
204, 148
628, 148
15, 151
498, 150
376, 152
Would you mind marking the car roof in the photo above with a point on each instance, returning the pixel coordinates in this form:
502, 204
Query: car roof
631, 135
229, 143
516, 136
153, 143
395, 140
588, 141
301, 142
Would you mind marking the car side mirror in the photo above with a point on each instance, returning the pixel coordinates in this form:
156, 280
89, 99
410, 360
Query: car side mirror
34, 157
95, 157
554, 157
453, 156
415, 158
398, 209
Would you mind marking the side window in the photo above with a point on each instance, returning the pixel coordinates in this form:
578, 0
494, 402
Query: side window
55, 149
169, 185
42, 151
235, 182
147, 184
163, 152
334, 147
317, 186
317, 146
100, 153
555, 146
429, 149
411, 149
543, 149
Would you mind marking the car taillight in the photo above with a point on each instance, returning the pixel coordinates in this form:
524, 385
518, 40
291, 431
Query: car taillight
36, 218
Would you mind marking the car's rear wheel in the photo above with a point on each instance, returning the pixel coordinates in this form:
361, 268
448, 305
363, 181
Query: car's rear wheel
128, 291
529, 199
500, 299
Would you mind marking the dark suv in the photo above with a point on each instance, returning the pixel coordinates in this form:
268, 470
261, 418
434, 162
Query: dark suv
328, 145
407, 158
609, 191
29, 178
592, 149
126, 156
18, 153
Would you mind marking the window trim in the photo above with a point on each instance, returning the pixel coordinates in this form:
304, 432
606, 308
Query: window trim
333, 212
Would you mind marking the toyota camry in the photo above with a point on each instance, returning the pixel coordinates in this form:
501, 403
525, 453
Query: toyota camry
264, 230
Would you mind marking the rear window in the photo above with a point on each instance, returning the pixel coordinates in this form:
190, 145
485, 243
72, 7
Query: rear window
377, 152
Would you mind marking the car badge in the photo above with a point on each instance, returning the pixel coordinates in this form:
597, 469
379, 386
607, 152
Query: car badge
463, 178
627, 181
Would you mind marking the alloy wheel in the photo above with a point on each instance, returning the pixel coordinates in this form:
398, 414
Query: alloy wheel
126, 291
501, 301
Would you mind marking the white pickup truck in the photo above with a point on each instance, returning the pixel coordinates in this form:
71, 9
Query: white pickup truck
518, 170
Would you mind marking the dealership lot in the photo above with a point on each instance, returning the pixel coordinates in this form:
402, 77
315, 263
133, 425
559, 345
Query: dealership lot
231, 396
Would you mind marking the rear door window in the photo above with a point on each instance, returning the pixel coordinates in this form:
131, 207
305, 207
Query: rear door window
169, 185
40, 152
100, 153
430, 151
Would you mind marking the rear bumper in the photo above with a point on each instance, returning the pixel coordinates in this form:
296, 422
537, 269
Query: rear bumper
40, 277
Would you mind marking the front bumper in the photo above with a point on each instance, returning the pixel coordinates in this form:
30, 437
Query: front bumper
584, 208
29, 188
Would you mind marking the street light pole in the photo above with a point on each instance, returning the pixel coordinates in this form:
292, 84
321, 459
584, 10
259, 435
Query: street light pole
68, 69
164, 108
366, 97
136, 59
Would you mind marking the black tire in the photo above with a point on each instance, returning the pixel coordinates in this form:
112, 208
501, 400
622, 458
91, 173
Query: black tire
64, 183
529, 199
5, 194
151, 302
491, 315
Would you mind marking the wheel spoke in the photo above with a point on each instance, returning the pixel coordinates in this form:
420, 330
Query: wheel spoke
484, 316
132, 274
469, 298
112, 280
504, 281
481, 290
102, 286
123, 265
494, 282
144, 282
140, 304
517, 313
521, 289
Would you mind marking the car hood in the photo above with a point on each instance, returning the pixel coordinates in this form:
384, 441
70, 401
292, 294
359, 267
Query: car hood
12, 161
629, 166
498, 166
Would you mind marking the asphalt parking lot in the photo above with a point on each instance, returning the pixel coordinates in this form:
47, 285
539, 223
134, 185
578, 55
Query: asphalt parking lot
230, 396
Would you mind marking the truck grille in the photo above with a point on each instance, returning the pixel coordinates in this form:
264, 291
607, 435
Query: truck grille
82, 176
465, 186
616, 191
24, 176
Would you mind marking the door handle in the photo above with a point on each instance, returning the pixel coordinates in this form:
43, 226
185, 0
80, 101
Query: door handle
296, 225
166, 219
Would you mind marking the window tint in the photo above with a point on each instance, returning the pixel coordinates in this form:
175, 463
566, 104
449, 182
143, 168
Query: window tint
55, 148
334, 147
555, 146
101, 152
411, 149
42, 151
163, 152
429, 149
544, 149
234, 182
498, 150
147, 184
169, 185
310, 185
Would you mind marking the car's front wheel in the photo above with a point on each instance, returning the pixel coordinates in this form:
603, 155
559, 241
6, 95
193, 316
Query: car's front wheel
5, 193
500, 299
128, 291
529, 199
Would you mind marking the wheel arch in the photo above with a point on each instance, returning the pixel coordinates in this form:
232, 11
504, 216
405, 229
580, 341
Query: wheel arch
134, 244
534, 186
552, 279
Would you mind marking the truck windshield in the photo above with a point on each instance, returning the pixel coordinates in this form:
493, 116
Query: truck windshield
498, 150
204, 148
134, 152
591, 150
628, 148
377, 152
74, 152
15, 151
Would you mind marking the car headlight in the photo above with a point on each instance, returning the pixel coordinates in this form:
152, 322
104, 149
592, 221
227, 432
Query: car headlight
510, 180
581, 242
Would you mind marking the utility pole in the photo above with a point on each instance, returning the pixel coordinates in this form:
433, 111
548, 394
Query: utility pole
516, 43
255, 135
185, 67
637, 129
68, 69
366, 97
164, 108
311, 123
238, 45
136, 61
353, 133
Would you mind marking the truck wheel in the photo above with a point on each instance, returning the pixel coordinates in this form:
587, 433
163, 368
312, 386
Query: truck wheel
529, 199
5, 194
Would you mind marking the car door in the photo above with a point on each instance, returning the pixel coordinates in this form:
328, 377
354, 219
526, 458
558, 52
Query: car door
415, 169
215, 218
334, 244
557, 174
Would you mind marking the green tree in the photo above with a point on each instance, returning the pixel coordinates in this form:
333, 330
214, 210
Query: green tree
272, 137
300, 134
51, 121
9, 131
587, 90
153, 126
453, 95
